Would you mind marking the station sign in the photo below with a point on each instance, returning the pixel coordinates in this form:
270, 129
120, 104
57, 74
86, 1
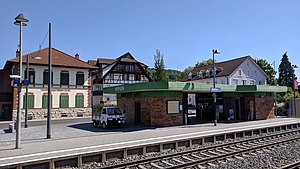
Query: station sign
215, 90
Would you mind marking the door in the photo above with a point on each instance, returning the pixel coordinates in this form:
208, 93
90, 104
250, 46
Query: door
237, 109
137, 112
6, 112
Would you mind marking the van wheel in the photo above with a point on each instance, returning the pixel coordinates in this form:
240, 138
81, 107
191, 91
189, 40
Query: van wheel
103, 125
95, 124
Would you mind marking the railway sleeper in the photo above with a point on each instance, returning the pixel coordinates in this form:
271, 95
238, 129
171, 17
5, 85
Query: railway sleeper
155, 165
166, 162
179, 161
185, 157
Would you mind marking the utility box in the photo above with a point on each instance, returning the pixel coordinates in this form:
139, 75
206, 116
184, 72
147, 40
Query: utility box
11, 128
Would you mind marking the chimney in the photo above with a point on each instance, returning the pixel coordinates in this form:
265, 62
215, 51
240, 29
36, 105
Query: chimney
17, 53
77, 56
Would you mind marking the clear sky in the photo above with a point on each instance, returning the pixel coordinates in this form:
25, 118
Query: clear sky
184, 31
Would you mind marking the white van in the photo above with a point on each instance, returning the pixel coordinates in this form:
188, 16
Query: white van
108, 117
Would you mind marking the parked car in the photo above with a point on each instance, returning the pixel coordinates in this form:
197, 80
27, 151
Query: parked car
108, 117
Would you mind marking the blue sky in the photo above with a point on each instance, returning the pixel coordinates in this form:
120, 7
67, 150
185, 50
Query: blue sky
184, 31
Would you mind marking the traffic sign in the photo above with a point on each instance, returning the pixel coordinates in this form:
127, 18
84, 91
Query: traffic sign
26, 82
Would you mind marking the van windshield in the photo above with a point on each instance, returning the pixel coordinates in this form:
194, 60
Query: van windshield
114, 111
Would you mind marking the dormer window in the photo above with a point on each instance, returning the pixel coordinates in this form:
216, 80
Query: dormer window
190, 76
200, 74
207, 73
212, 72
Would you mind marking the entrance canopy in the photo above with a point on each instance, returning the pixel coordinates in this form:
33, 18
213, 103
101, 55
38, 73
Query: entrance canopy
188, 87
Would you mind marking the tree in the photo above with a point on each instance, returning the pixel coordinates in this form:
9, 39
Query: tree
185, 72
268, 69
286, 72
159, 74
204, 63
172, 75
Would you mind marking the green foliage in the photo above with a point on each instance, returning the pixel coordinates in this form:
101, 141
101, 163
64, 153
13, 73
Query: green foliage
172, 75
286, 72
185, 72
283, 99
159, 75
268, 69
204, 63
99, 107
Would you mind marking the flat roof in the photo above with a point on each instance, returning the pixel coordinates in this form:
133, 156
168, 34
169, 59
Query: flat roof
190, 87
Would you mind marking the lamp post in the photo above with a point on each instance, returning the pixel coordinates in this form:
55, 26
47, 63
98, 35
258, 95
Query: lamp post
27, 79
20, 20
215, 51
295, 107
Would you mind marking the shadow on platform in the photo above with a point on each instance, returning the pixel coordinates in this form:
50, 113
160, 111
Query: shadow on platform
89, 127
194, 120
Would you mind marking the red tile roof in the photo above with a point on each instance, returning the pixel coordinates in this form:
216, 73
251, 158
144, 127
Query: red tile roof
59, 58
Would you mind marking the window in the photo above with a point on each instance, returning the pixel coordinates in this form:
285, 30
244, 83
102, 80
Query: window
240, 72
244, 82
260, 82
247, 63
200, 74
45, 77
30, 102
138, 77
235, 82
190, 76
131, 68
248, 73
63, 101
79, 101
45, 101
31, 75
103, 111
79, 78
125, 76
64, 77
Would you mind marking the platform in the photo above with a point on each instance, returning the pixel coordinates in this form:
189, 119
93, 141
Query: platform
105, 140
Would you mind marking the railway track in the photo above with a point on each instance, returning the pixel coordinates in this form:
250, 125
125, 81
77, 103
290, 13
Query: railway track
208, 156
295, 165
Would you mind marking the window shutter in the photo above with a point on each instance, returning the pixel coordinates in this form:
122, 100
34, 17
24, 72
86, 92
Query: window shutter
79, 100
64, 101
45, 102
30, 101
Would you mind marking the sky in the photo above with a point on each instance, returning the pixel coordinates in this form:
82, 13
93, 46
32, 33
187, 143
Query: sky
185, 32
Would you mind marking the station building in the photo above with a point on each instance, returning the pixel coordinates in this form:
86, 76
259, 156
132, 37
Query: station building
166, 103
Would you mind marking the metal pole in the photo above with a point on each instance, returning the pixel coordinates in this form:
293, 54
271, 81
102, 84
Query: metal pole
27, 78
214, 86
275, 95
49, 86
295, 109
18, 122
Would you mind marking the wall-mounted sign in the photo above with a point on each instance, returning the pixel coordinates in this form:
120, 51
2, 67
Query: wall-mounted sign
215, 90
172, 107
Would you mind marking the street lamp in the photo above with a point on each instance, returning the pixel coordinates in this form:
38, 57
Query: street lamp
20, 20
295, 107
215, 51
